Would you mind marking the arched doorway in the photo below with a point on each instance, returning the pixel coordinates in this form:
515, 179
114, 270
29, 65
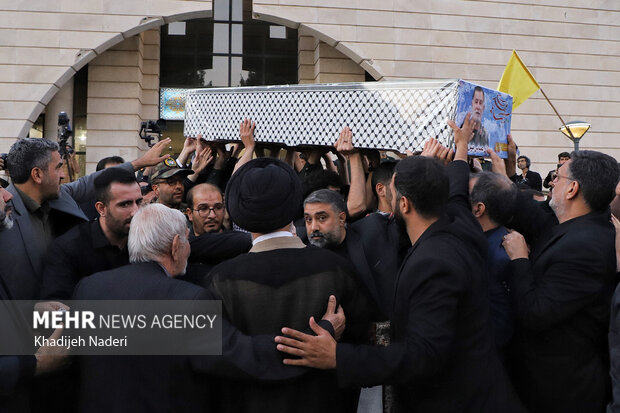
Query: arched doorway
124, 80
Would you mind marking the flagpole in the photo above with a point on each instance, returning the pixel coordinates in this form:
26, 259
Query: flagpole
556, 112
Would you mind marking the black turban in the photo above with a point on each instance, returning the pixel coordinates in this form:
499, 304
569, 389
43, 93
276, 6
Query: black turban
263, 195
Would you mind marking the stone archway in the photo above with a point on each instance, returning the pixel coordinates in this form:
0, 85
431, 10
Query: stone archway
95, 51
324, 64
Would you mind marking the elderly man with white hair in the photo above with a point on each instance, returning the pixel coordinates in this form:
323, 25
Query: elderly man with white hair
158, 251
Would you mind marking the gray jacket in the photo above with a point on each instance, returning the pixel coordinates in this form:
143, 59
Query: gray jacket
22, 263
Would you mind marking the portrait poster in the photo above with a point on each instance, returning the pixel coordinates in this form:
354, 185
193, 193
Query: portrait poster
172, 103
491, 111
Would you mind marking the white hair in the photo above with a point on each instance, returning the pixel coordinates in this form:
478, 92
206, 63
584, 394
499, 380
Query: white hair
152, 230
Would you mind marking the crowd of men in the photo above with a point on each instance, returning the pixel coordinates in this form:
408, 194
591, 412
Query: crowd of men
493, 301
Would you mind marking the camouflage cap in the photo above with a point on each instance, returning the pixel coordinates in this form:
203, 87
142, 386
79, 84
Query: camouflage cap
168, 168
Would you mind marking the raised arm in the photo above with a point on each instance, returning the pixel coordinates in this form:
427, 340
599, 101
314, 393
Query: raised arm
246, 133
356, 202
83, 190
189, 146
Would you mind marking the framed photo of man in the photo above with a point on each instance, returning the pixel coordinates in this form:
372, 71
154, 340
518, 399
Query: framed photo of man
491, 111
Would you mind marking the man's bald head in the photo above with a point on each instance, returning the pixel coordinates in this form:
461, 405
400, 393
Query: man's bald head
205, 208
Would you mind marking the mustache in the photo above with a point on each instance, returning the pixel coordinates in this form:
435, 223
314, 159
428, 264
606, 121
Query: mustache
317, 234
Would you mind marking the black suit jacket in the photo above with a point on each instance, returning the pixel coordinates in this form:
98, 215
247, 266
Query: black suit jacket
166, 383
614, 352
443, 357
212, 248
82, 251
563, 294
373, 247
16, 372
263, 291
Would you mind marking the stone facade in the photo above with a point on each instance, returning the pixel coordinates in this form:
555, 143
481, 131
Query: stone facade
321, 63
571, 46
123, 90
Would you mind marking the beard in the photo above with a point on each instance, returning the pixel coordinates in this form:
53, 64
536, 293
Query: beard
388, 197
401, 225
615, 206
556, 207
216, 228
6, 220
118, 227
52, 189
324, 240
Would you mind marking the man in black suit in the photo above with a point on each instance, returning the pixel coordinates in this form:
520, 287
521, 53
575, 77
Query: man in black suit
563, 288
211, 243
17, 372
158, 250
98, 245
442, 357
281, 282
371, 244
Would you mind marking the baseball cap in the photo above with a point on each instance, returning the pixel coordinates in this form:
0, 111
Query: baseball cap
167, 169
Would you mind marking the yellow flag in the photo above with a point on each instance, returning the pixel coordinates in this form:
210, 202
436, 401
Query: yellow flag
517, 81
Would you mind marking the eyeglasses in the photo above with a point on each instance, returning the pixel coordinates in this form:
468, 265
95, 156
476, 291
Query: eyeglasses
205, 210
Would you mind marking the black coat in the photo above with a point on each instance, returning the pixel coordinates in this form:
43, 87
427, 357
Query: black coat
563, 295
166, 383
80, 252
16, 372
373, 246
442, 357
212, 248
614, 352
263, 291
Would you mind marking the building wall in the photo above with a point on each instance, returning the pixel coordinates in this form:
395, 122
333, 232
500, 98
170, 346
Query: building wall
321, 63
123, 90
571, 46
44, 43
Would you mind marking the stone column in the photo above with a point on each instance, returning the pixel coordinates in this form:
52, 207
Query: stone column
123, 90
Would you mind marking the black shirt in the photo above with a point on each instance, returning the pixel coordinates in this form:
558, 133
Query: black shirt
531, 179
212, 248
82, 251
342, 250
